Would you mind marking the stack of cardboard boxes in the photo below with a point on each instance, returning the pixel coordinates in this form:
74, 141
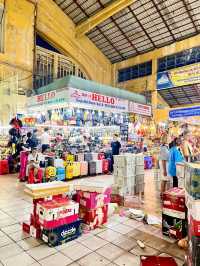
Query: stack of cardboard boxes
128, 174
192, 189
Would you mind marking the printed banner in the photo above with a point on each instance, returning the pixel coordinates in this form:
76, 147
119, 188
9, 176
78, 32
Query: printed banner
97, 101
185, 112
141, 109
178, 77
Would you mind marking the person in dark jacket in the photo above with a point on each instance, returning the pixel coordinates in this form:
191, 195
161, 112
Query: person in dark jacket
30, 141
115, 145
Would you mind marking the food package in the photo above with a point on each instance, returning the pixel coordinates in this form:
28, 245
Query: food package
92, 200
174, 199
54, 213
94, 218
173, 227
62, 234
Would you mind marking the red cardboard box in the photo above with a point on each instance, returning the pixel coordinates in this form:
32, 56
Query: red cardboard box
174, 199
94, 218
157, 261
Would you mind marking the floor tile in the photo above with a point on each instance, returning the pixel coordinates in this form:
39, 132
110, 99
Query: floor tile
94, 243
6, 222
12, 228
9, 251
41, 252
93, 259
74, 264
127, 259
65, 245
125, 242
122, 229
132, 223
55, 260
156, 243
29, 243
17, 236
84, 237
21, 259
109, 235
147, 251
5, 240
98, 230
175, 251
110, 251
76, 251
138, 235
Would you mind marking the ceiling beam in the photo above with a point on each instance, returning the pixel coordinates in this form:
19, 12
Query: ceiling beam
101, 16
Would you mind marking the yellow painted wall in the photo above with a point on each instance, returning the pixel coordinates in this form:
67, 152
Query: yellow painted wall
59, 29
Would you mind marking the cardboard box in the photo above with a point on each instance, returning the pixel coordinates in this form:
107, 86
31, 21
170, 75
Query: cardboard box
62, 234
174, 227
192, 179
174, 199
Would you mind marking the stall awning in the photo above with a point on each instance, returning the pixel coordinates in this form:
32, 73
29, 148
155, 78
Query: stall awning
91, 86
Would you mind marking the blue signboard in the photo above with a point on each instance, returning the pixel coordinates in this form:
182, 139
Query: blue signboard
185, 112
164, 81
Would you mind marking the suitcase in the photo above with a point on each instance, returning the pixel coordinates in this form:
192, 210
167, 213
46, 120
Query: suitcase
69, 171
79, 157
76, 169
105, 166
99, 168
84, 168
60, 174
58, 163
110, 164
62, 234
4, 167
92, 168
101, 156
23, 164
94, 156
157, 261
50, 172
88, 156
50, 161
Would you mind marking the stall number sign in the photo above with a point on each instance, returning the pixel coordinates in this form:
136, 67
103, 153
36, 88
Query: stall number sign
141, 109
97, 101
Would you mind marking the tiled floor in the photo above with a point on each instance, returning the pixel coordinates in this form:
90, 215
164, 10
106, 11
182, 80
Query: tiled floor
115, 244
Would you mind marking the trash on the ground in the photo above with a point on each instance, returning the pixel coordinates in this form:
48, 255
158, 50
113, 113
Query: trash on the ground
112, 208
140, 244
135, 214
153, 220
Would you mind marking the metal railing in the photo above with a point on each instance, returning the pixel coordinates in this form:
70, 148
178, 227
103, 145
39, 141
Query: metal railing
51, 66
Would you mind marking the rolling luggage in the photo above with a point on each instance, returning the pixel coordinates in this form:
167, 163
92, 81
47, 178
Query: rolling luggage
79, 157
101, 156
50, 172
92, 168
69, 171
4, 167
99, 168
50, 161
70, 158
60, 174
105, 166
76, 169
88, 156
94, 156
23, 164
84, 168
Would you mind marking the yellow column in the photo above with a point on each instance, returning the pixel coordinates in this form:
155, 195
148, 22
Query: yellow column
154, 87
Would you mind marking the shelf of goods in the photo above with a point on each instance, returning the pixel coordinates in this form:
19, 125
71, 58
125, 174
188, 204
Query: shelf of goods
128, 174
57, 218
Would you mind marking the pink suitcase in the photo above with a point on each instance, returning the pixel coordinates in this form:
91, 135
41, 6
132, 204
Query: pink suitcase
84, 168
23, 164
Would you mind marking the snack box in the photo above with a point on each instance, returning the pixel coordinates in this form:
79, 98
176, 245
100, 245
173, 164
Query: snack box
157, 261
62, 234
94, 218
192, 179
92, 200
174, 199
174, 227
56, 212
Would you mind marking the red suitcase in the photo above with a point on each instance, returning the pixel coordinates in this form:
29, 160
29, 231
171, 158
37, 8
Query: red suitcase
105, 166
101, 156
157, 261
4, 168
23, 164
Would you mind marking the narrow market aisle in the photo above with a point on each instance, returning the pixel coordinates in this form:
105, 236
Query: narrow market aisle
114, 244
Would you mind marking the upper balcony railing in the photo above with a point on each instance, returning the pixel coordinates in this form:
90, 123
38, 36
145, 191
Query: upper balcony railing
51, 66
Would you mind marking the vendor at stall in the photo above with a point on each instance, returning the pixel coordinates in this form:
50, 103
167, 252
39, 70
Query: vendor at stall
115, 145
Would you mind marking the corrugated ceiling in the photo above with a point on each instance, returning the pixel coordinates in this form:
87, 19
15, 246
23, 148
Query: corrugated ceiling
143, 26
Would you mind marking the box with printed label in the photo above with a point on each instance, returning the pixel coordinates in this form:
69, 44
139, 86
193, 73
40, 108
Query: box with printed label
92, 200
56, 212
174, 199
94, 218
174, 227
62, 234
192, 179
193, 256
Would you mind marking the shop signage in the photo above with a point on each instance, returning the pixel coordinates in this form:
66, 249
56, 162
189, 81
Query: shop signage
185, 112
182, 76
141, 109
48, 98
97, 101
